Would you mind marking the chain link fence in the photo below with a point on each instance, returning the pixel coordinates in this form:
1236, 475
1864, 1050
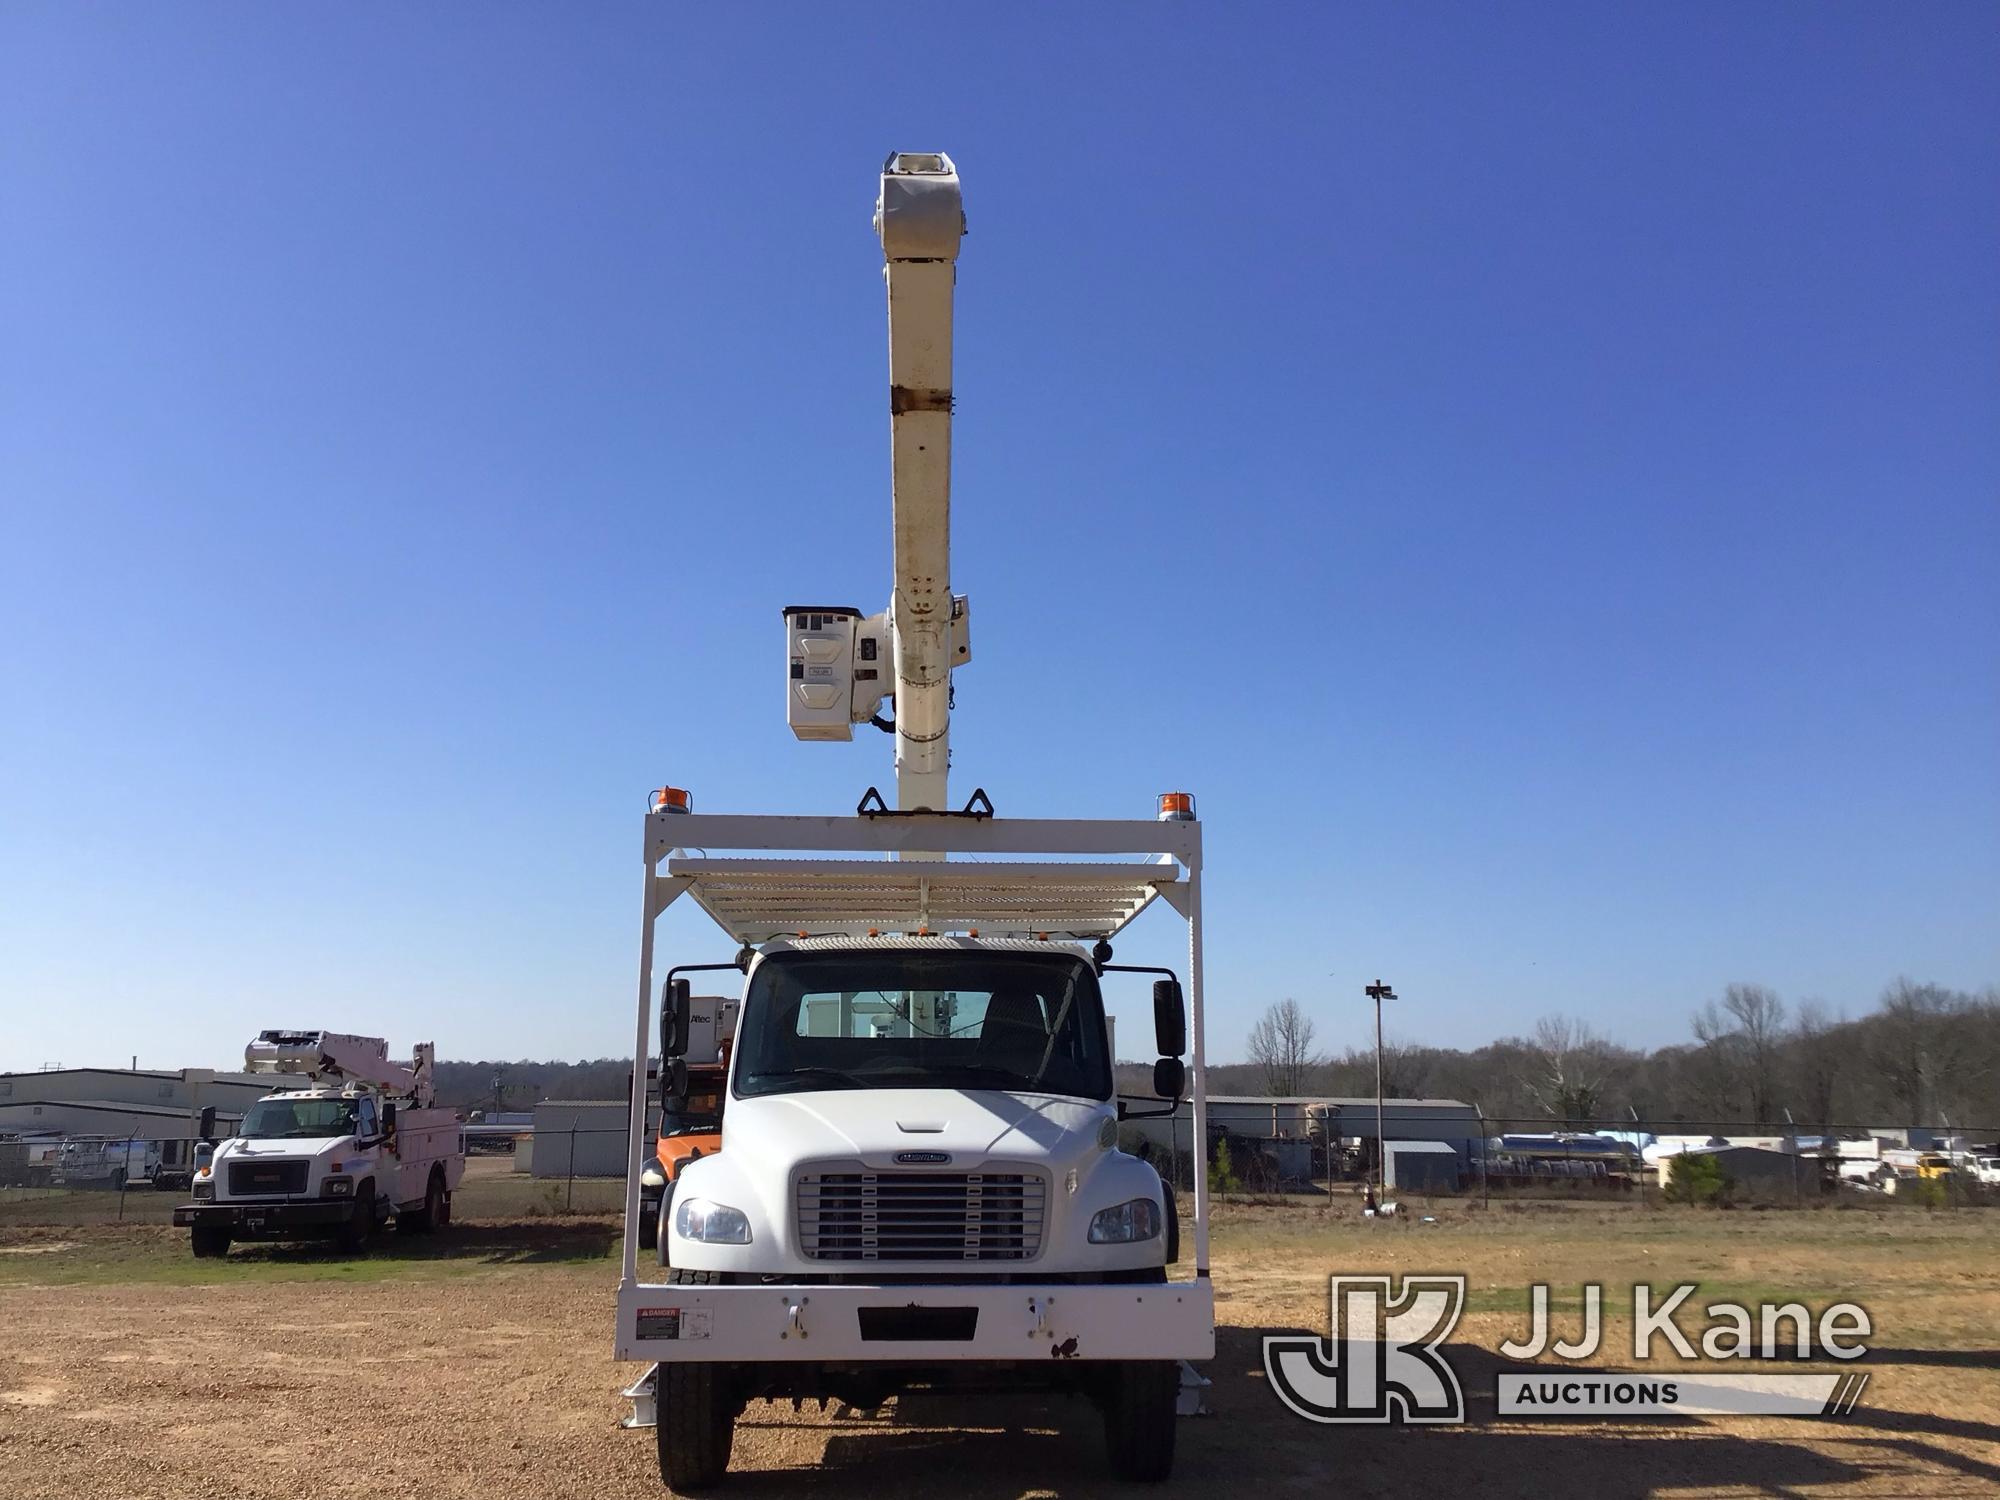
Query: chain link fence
514, 1174
1487, 1158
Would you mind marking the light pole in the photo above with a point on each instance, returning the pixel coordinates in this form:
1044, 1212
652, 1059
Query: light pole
1378, 992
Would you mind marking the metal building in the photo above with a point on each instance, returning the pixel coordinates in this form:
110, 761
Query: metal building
147, 1103
1311, 1121
581, 1137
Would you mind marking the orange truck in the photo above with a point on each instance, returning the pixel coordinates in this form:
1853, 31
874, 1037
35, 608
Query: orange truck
690, 1109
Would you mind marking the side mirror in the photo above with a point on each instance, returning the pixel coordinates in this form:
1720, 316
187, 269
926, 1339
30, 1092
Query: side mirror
205, 1123
388, 1119
1169, 1019
1169, 1078
674, 1013
675, 1095
204, 1155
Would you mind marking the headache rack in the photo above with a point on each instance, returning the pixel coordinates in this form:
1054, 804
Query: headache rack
760, 878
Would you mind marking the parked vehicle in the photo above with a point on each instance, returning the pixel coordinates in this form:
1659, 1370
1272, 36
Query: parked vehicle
89, 1161
690, 1123
29, 1160
338, 1159
919, 1182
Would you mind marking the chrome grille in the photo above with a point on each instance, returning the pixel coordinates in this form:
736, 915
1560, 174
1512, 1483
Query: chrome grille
855, 1214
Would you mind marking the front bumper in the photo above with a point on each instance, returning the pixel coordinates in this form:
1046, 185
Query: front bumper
275, 1219
917, 1324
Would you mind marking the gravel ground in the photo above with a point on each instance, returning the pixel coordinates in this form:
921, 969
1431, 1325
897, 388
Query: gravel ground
494, 1380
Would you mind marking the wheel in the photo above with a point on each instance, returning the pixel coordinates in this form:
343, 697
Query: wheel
209, 1241
1173, 1225
353, 1235
696, 1424
437, 1204
1139, 1419
662, 1232
649, 1225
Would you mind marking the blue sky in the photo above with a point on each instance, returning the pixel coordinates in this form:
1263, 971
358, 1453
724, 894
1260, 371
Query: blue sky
1531, 470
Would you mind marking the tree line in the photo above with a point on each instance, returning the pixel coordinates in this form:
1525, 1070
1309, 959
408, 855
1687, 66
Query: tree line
1925, 1055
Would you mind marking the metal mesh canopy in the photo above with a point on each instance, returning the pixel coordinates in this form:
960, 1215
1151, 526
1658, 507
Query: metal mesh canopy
755, 899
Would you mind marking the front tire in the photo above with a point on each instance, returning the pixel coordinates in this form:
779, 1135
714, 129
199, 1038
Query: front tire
208, 1242
696, 1424
649, 1224
1140, 1417
352, 1236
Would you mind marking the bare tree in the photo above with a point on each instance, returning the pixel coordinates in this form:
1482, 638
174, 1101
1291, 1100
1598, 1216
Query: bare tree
1714, 1068
1569, 1070
1406, 1068
1816, 1051
1927, 1048
1759, 1017
1281, 1043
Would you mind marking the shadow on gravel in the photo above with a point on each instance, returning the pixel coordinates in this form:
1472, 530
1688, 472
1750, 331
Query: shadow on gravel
1001, 1446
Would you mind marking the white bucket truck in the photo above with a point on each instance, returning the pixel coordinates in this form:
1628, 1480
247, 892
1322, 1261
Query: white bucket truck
919, 1182
336, 1159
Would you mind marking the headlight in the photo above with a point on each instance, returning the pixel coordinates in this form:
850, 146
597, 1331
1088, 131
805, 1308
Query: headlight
204, 1187
651, 1176
1127, 1223
711, 1223
337, 1187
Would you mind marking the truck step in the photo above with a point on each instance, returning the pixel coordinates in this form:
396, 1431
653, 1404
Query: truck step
1192, 1401
645, 1413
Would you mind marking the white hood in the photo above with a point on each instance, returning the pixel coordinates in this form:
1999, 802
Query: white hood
876, 1126
769, 1141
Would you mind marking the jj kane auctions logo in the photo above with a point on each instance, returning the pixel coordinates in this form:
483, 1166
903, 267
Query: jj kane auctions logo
1382, 1360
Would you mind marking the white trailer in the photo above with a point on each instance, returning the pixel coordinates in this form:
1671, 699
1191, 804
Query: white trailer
363, 1144
919, 1182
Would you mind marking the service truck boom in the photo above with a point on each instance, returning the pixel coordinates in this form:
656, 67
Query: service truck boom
919, 1182
362, 1143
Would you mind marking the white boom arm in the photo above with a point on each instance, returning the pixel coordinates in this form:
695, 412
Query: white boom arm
361, 1059
920, 217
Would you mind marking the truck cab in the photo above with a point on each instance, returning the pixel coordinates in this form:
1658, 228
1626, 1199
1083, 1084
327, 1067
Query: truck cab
921, 1106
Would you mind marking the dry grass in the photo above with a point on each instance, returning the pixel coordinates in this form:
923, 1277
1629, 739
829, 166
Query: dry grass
481, 1368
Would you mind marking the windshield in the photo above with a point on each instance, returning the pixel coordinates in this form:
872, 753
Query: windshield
904, 1018
276, 1119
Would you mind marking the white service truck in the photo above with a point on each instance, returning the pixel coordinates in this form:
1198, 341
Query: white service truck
919, 1182
338, 1159
95, 1161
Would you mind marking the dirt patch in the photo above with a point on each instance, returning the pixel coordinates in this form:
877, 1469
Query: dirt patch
487, 1366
